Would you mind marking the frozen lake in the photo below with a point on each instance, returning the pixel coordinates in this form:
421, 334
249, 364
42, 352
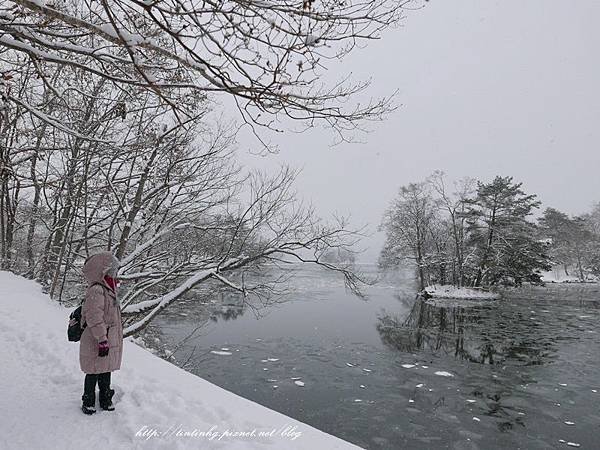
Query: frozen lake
394, 372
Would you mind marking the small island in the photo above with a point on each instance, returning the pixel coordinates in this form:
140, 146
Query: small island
479, 238
453, 292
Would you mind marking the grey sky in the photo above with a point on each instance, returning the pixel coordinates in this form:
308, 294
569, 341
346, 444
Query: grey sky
487, 88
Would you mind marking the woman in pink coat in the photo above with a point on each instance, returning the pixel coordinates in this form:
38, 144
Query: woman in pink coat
101, 344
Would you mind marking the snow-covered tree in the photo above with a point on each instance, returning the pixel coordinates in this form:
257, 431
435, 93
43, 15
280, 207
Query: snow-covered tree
267, 55
175, 207
455, 206
476, 238
574, 245
407, 224
506, 242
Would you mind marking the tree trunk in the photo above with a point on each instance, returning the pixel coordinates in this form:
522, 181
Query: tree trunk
485, 256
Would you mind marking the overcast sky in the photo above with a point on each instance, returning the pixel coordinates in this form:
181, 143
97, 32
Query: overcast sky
486, 88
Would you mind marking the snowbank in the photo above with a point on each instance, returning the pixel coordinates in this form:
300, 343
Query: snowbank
42, 388
447, 291
557, 275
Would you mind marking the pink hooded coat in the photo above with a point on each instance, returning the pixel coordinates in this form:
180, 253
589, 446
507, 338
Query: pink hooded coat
101, 312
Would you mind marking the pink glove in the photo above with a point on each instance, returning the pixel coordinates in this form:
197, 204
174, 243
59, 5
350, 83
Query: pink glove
103, 348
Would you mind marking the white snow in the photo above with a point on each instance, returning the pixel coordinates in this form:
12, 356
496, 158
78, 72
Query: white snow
41, 407
443, 373
448, 291
557, 275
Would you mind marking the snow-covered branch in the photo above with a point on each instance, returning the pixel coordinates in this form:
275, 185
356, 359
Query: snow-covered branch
266, 55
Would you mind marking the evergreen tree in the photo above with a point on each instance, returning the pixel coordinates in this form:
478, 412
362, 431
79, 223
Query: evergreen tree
505, 245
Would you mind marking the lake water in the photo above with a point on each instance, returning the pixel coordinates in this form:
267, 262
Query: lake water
395, 372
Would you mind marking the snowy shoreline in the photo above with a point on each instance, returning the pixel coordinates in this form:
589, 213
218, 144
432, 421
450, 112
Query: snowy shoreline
158, 405
453, 292
557, 275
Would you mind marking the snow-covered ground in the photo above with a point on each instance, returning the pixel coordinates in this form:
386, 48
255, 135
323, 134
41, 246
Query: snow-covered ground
557, 275
155, 401
447, 291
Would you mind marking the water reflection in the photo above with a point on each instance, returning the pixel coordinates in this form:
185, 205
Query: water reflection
208, 304
479, 333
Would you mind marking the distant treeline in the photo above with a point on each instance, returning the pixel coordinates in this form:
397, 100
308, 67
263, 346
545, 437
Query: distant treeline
482, 234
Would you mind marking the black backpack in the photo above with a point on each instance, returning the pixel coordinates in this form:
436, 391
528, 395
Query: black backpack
75, 329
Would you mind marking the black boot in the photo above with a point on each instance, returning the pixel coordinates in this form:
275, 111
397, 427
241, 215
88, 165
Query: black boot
89, 394
106, 393
89, 404
106, 400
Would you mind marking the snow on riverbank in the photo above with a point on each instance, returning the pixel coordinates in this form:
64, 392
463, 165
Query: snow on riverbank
558, 275
447, 291
158, 405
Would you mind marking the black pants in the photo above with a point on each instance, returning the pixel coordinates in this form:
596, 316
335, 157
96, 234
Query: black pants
89, 387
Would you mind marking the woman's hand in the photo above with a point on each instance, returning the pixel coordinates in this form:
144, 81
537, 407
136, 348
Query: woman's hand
103, 348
